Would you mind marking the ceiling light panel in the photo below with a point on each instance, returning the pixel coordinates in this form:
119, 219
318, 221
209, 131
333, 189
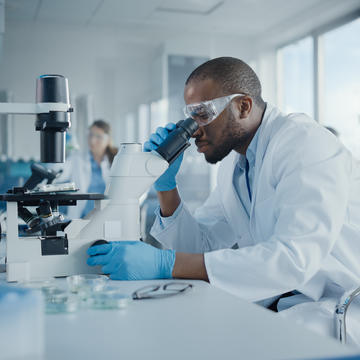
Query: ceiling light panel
196, 7
76, 12
119, 12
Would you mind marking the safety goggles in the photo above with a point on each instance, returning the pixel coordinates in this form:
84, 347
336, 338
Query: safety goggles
98, 137
206, 111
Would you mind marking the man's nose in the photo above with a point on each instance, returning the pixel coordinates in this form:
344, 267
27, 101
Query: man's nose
198, 133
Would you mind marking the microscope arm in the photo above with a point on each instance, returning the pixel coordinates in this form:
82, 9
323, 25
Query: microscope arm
132, 173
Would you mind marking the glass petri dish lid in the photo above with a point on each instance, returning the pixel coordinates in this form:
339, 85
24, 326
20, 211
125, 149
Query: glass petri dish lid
86, 283
109, 298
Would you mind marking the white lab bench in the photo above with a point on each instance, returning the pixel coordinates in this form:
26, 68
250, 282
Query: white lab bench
203, 323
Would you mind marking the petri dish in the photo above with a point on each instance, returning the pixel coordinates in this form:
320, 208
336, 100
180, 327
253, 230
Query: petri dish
109, 298
44, 285
37, 283
86, 283
60, 301
56, 299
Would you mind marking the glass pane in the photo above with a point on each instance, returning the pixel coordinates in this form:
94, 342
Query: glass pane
340, 85
295, 77
143, 123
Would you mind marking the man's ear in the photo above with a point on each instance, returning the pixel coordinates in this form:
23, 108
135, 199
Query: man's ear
242, 106
246, 106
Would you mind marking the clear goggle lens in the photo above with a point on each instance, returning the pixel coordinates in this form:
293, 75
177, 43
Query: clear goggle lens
207, 111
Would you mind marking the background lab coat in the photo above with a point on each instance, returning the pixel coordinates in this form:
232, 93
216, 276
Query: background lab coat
303, 232
77, 168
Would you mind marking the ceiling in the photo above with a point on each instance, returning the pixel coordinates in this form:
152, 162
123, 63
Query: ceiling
243, 17
162, 19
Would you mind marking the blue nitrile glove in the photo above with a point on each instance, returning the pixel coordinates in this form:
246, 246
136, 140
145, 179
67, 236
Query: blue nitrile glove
167, 180
132, 260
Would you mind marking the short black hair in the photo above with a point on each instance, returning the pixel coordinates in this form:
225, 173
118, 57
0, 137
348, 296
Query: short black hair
234, 76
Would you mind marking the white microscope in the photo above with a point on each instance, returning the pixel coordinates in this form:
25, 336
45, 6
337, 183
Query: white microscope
60, 249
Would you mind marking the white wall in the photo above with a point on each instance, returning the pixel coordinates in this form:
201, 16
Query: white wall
95, 61
124, 68
266, 70
120, 74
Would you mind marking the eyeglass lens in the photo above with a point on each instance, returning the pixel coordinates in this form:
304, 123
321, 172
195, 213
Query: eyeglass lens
97, 137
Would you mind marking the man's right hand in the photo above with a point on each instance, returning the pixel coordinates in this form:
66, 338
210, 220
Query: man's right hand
166, 181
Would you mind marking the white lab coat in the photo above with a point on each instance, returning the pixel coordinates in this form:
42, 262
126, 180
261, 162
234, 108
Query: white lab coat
77, 168
304, 227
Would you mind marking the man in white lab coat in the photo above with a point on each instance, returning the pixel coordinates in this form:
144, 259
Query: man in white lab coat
283, 219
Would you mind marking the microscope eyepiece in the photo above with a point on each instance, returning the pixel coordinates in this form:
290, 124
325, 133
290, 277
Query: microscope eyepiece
52, 125
189, 125
178, 140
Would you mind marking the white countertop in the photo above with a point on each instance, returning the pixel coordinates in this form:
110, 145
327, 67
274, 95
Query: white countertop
204, 323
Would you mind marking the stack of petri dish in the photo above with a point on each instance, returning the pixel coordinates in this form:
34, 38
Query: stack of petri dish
109, 298
84, 291
56, 299
85, 284
60, 301
94, 292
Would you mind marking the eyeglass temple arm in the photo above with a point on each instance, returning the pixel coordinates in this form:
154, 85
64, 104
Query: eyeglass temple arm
340, 313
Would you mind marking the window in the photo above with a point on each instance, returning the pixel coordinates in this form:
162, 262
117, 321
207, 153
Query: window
339, 83
143, 123
296, 77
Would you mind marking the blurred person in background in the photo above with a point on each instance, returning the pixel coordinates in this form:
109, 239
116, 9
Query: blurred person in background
89, 170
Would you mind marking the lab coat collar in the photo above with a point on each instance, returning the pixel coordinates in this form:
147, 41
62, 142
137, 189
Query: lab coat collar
250, 153
256, 151
264, 137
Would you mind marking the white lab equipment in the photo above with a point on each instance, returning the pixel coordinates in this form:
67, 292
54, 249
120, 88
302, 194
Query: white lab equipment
61, 248
303, 230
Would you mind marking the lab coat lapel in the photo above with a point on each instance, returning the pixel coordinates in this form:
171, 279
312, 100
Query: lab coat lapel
265, 129
234, 210
263, 141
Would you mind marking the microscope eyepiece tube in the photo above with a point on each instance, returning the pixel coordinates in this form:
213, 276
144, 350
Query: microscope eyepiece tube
52, 125
178, 140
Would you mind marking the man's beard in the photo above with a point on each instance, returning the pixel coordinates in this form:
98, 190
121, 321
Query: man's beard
220, 152
230, 139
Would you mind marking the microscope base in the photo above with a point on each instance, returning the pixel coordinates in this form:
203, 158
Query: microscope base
28, 263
